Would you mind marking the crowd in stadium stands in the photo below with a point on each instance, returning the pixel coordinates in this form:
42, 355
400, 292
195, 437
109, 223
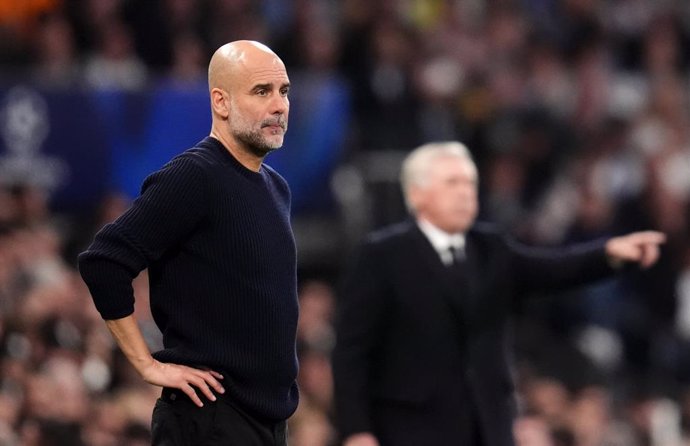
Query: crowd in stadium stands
577, 112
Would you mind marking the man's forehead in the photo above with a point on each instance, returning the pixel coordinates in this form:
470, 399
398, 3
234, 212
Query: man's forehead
450, 164
275, 75
448, 160
238, 62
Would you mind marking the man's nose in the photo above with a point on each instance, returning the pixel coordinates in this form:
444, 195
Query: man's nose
279, 105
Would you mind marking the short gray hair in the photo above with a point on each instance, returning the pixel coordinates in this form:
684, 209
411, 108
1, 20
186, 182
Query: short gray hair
415, 167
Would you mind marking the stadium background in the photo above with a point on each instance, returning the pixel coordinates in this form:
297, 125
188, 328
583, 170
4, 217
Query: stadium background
577, 112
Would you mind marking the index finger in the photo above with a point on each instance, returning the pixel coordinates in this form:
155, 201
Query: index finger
654, 237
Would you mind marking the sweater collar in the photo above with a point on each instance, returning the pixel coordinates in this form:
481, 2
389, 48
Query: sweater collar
228, 158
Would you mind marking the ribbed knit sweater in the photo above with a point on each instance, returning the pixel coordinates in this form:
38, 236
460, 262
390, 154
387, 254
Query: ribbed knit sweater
217, 242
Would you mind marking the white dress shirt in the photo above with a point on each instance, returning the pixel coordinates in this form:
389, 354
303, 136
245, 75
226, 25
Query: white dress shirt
442, 241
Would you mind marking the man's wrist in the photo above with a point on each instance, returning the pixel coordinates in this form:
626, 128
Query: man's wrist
615, 263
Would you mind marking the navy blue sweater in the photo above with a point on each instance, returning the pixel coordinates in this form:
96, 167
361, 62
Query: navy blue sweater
217, 241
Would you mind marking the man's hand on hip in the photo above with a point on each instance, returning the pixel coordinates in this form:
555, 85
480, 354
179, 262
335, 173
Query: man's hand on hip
184, 378
131, 341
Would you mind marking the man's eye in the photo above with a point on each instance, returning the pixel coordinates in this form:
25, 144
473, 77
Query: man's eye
261, 92
284, 92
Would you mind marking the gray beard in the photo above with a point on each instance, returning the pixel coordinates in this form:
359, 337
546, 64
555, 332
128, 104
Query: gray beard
255, 143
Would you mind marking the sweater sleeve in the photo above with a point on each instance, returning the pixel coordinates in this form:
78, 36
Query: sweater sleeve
170, 206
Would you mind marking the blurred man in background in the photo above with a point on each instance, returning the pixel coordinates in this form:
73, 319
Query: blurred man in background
423, 315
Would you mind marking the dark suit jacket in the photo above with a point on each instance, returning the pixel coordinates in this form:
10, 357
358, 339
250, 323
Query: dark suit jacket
415, 345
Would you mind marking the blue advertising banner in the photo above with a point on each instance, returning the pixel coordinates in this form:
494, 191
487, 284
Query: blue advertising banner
80, 145
54, 140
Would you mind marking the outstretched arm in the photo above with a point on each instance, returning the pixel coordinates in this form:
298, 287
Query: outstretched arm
130, 340
638, 247
548, 269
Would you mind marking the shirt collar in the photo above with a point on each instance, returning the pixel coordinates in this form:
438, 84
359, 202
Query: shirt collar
440, 239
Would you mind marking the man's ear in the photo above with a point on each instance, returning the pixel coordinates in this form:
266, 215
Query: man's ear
219, 103
415, 197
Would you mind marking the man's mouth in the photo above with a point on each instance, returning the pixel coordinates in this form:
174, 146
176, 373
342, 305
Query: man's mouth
274, 125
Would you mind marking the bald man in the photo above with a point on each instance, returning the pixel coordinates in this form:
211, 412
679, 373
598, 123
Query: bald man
213, 229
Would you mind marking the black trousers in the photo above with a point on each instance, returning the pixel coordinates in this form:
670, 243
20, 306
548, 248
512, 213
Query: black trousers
177, 421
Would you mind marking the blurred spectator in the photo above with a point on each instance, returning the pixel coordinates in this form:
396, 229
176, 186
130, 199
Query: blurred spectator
57, 64
188, 63
235, 19
315, 326
18, 22
532, 431
113, 64
378, 57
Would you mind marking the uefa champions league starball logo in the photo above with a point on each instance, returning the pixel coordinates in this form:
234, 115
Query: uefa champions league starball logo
24, 127
24, 122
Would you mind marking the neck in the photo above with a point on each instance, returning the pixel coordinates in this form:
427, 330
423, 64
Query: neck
448, 231
246, 158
